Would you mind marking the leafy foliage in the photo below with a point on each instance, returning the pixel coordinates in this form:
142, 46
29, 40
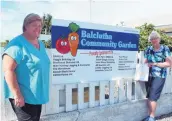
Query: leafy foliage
47, 22
47, 43
145, 30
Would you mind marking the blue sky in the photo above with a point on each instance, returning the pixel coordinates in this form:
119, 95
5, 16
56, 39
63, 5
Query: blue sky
8, 4
132, 12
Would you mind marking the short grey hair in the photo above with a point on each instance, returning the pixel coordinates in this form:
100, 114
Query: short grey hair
29, 19
154, 35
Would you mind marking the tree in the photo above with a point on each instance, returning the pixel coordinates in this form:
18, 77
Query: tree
145, 30
3, 44
43, 41
48, 43
7, 41
47, 21
46, 28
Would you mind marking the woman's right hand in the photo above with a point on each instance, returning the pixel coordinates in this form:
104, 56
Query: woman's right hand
19, 101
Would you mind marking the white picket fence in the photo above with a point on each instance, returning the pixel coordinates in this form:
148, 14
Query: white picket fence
121, 90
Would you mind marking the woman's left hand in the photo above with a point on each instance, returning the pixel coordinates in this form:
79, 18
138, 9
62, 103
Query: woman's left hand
152, 64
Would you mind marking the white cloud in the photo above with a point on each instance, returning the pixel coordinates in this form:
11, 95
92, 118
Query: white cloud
10, 24
114, 12
27, 0
71, 10
34, 7
111, 12
162, 19
10, 30
156, 12
12, 20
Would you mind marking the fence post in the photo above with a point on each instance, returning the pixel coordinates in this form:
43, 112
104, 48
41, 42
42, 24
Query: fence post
91, 94
111, 92
129, 90
102, 93
122, 91
68, 97
80, 96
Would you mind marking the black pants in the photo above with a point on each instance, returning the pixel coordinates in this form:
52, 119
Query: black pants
28, 112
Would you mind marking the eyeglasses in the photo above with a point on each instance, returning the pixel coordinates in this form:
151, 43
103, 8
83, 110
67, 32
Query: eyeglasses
154, 39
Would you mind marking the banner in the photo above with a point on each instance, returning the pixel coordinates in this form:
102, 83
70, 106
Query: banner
84, 52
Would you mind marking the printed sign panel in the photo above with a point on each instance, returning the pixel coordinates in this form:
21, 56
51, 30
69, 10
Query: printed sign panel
84, 52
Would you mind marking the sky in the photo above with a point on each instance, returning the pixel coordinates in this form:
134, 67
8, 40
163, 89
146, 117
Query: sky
111, 12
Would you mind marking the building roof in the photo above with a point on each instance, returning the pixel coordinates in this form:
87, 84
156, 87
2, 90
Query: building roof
166, 28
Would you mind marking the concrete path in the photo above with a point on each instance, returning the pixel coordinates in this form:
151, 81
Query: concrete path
167, 117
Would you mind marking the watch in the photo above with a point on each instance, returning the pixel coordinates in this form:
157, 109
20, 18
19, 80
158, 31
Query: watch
156, 64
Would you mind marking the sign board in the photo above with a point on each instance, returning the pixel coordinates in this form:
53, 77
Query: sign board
84, 52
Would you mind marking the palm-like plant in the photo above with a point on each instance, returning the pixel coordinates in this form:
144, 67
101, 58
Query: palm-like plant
46, 29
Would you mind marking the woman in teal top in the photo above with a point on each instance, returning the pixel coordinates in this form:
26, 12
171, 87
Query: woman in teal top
26, 69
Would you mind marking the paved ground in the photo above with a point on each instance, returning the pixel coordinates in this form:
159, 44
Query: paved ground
167, 117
